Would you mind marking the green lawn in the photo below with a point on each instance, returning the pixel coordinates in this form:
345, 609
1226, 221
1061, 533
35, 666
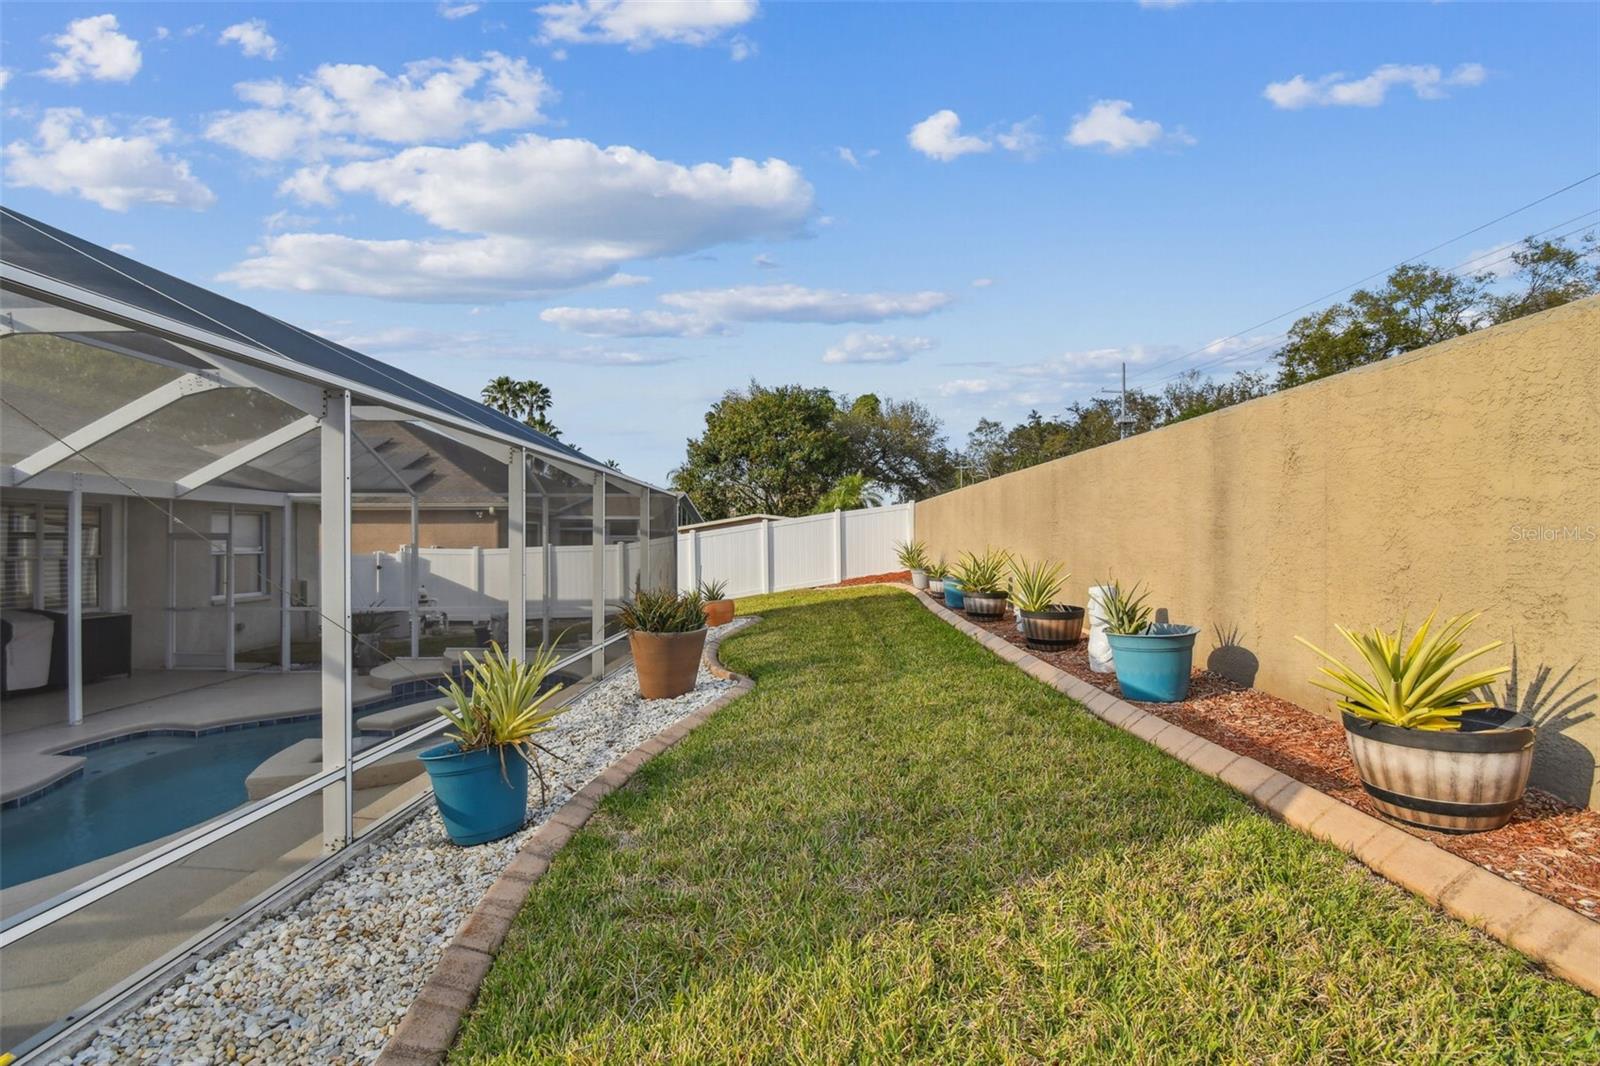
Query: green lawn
898, 847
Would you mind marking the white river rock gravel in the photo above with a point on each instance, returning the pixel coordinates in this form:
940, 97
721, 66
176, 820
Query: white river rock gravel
329, 980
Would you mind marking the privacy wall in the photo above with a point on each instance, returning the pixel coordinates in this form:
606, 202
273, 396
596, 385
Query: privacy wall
1464, 476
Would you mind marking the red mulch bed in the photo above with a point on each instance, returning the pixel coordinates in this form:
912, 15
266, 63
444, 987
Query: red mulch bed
900, 577
1549, 846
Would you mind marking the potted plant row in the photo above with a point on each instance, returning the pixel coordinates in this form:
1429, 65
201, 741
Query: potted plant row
480, 774
1153, 660
667, 635
1046, 624
913, 556
1429, 749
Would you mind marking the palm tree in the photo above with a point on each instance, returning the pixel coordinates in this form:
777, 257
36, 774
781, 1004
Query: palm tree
536, 396
507, 395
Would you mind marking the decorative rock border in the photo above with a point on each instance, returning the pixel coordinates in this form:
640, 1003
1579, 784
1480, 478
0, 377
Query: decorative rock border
429, 1027
1563, 941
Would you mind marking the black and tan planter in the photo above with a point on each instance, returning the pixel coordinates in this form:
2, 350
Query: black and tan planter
1052, 630
1452, 781
985, 606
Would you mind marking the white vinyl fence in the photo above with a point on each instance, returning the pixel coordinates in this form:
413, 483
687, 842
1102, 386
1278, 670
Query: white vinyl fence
794, 553
470, 584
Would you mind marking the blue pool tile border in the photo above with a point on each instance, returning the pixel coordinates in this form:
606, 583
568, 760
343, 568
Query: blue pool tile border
400, 694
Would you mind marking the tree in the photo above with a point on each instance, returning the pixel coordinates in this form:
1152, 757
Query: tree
849, 493
1190, 395
1551, 275
770, 450
898, 445
1417, 306
526, 401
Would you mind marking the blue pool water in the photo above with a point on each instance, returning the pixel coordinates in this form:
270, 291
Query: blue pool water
135, 792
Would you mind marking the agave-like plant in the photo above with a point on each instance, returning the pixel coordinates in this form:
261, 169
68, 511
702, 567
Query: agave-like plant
913, 554
711, 590
937, 571
1034, 586
502, 706
1411, 684
663, 610
984, 574
1126, 612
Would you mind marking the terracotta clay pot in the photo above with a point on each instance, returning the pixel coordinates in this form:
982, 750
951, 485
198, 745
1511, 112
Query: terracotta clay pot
666, 662
719, 612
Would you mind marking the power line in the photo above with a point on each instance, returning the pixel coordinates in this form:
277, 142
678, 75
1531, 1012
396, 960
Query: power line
1328, 296
1474, 264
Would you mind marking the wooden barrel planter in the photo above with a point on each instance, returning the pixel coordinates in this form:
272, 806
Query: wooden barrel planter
1452, 781
1052, 630
985, 606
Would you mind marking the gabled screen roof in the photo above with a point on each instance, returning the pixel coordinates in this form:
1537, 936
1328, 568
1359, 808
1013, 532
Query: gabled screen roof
35, 246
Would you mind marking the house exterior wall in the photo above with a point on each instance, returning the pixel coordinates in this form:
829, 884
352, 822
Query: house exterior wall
386, 529
1464, 476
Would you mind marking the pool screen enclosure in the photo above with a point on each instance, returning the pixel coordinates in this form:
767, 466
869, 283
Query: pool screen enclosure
236, 559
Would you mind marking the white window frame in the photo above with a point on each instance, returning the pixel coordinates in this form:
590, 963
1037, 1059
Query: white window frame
95, 561
226, 551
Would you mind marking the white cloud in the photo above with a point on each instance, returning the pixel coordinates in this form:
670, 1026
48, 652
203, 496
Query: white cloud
858, 347
982, 283
1336, 90
339, 107
541, 216
458, 11
125, 249
741, 48
939, 137
1022, 138
848, 157
309, 185
795, 303
1108, 126
971, 386
74, 154
92, 48
480, 345
625, 322
5, 77
765, 262
624, 281
641, 24
252, 38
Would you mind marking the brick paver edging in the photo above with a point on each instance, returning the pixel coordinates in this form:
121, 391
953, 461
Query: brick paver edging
1562, 940
429, 1027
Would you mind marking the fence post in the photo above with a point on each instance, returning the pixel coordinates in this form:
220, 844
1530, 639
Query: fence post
694, 559
838, 545
477, 578
766, 555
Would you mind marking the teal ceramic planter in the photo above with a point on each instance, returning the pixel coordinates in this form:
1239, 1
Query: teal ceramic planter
1153, 666
478, 801
953, 597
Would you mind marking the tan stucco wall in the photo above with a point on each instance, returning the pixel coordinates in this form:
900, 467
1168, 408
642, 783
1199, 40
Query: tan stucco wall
1412, 483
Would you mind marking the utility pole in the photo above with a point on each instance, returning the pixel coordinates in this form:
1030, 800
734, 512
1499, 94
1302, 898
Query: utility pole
1125, 421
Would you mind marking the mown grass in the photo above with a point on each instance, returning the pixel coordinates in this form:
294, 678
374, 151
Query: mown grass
898, 847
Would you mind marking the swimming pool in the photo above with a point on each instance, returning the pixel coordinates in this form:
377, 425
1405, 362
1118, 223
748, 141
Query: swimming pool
134, 792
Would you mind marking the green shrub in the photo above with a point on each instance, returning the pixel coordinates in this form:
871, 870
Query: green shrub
663, 611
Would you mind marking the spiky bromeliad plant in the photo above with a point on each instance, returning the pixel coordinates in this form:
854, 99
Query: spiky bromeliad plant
913, 554
502, 706
663, 610
711, 590
937, 571
984, 574
1034, 586
1410, 684
1126, 612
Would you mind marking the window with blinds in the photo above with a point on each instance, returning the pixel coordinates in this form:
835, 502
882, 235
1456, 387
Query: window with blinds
33, 555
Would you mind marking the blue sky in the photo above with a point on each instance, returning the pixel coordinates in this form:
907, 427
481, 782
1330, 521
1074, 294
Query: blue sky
645, 205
